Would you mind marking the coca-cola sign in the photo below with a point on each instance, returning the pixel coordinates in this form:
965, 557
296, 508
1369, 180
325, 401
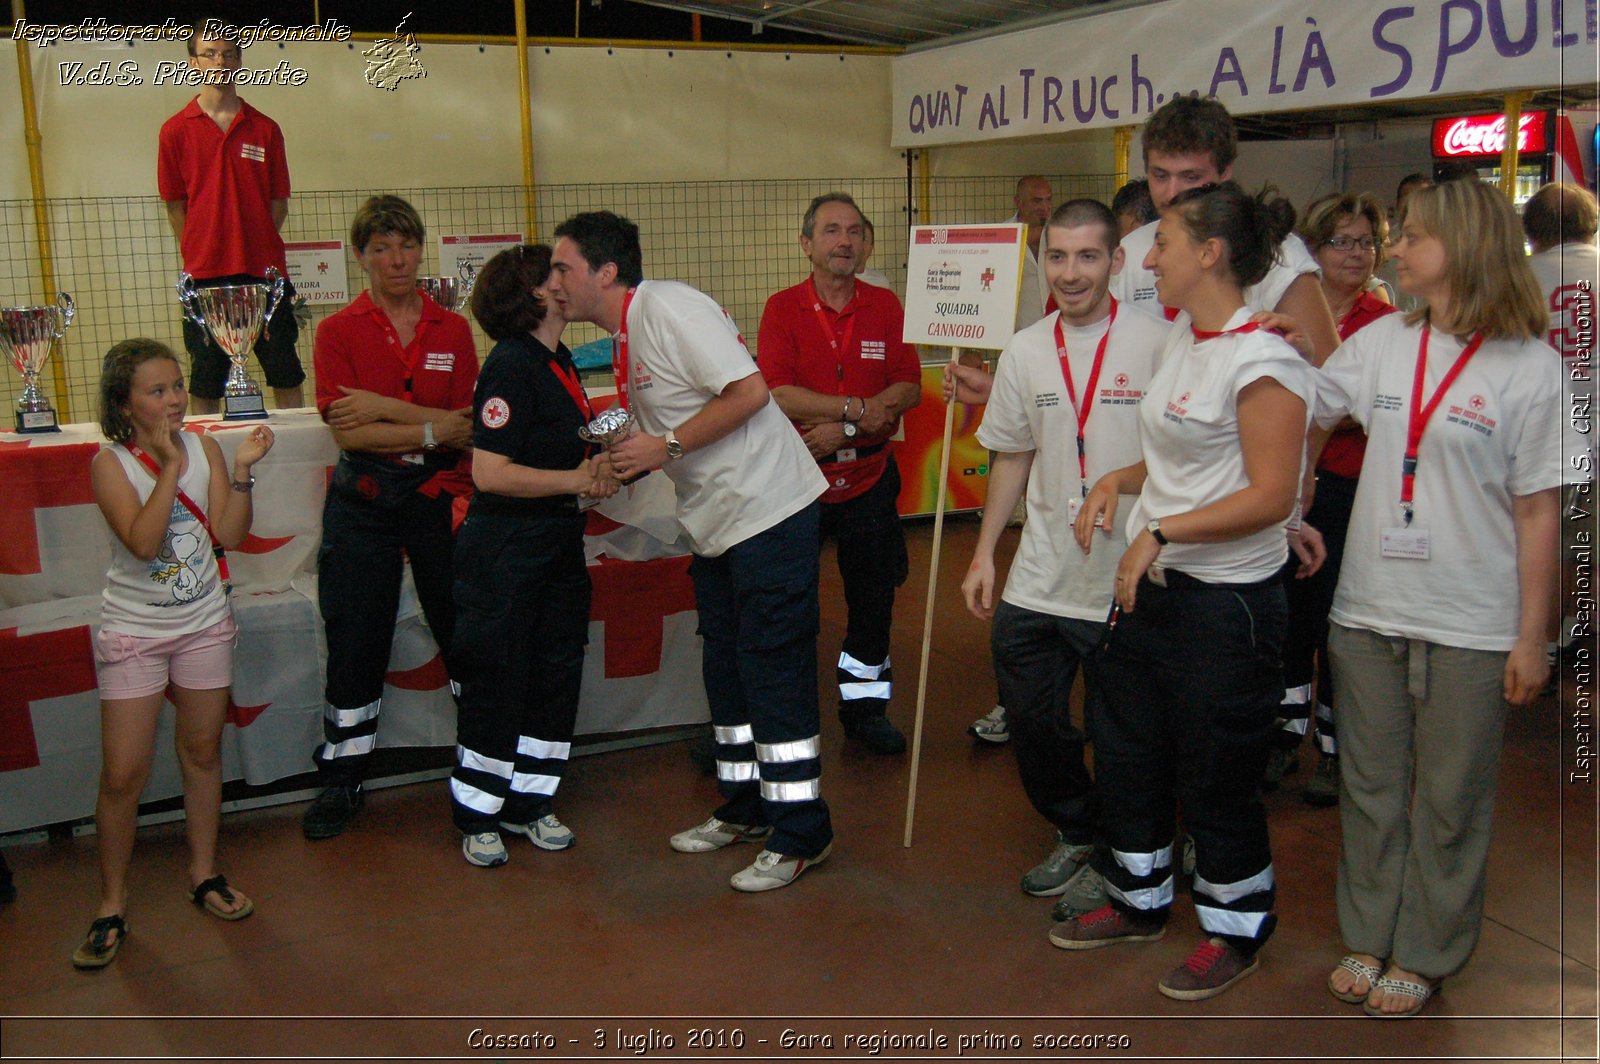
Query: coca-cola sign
1472, 136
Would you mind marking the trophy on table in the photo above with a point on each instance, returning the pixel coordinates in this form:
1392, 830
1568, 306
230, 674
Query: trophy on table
234, 315
451, 293
27, 334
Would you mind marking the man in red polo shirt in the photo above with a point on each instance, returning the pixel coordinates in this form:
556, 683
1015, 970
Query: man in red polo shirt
831, 351
222, 173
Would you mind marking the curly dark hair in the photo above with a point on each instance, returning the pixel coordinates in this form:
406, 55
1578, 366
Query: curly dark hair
1193, 125
116, 382
503, 299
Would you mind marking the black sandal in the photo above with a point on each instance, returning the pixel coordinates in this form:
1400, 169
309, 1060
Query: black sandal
99, 948
219, 883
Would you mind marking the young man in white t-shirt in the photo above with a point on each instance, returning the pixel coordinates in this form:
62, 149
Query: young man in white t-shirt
1055, 425
747, 490
1191, 141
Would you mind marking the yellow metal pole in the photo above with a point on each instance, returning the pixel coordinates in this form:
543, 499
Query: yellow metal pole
41, 208
1513, 149
529, 197
1121, 138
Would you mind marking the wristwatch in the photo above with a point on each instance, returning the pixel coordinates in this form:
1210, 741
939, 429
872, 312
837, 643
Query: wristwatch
244, 485
849, 430
674, 448
1154, 528
428, 442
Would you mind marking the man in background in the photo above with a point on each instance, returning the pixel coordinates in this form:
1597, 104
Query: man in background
222, 173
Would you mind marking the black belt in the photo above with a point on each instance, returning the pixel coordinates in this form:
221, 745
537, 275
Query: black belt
861, 452
1172, 579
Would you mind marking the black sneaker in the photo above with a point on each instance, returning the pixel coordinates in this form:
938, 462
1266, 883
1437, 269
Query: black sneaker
332, 812
875, 733
1322, 790
1281, 762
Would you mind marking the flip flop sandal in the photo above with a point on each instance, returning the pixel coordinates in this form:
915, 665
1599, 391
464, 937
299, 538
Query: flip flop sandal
1419, 993
99, 948
219, 884
1361, 970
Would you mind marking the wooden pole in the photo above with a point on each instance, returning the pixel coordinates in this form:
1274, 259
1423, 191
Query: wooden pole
927, 612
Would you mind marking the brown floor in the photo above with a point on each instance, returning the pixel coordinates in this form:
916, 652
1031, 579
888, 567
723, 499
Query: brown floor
620, 941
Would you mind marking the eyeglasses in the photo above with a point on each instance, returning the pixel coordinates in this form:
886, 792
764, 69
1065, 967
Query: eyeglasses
212, 56
1350, 243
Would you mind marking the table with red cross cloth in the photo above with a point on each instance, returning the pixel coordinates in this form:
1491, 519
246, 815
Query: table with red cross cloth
642, 670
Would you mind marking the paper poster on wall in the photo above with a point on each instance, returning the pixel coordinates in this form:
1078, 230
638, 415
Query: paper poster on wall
473, 249
317, 271
962, 284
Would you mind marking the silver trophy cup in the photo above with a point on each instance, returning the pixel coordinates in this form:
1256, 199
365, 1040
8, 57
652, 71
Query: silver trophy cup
27, 334
234, 315
451, 293
608, 427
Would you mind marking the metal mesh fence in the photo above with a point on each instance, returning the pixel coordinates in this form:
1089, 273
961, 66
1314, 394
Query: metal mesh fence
736, 240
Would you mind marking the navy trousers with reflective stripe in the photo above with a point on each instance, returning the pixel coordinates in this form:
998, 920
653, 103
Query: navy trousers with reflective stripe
359, 571
1191, 682
1305, 646
758, 620
522, 620
871, 549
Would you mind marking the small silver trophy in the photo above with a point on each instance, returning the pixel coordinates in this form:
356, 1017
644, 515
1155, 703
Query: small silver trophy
608, 427
451, 293
234, 315
27, 334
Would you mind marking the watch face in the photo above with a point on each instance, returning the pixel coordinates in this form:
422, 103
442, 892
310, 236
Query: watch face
849, 430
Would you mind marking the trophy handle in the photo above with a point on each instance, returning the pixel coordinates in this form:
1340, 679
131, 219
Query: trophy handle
188, 298
68, 310
279, 287
469, 277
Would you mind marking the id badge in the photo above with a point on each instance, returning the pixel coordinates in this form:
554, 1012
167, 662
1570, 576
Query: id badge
1074, 506
1407, 543
414, 458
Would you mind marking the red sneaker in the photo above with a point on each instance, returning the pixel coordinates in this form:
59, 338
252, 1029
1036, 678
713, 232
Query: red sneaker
1213, 967
1106, 926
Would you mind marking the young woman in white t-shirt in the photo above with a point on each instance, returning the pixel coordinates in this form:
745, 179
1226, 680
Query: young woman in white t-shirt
1192, 673
166, 628
1439, 617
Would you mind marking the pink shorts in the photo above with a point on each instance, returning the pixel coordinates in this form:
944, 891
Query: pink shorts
133, 666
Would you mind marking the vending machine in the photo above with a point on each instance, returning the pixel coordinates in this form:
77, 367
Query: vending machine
1479, 140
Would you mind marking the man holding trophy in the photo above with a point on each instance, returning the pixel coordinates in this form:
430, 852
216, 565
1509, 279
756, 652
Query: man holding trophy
747, 490
222, 172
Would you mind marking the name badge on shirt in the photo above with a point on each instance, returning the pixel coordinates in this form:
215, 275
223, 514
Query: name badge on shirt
845, 454
1407, 543
1074, 506
414, 458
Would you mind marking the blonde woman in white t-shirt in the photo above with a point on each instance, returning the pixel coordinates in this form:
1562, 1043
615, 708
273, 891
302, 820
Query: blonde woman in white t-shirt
1191, 668
1440, 613
166, 628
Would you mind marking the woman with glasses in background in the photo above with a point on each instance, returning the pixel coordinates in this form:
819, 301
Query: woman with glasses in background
1346, 232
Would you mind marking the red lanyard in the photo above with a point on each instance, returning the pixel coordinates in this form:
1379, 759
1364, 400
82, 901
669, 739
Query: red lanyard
1083, 409
568, 376
409, 354
1421, 415
189, 504
841, 345
619, 352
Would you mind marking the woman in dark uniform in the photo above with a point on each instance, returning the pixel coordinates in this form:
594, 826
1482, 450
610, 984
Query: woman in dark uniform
522, 584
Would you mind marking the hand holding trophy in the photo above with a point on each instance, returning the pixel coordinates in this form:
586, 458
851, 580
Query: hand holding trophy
234, 315
26, 336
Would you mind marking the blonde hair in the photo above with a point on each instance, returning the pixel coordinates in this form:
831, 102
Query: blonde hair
1492, 287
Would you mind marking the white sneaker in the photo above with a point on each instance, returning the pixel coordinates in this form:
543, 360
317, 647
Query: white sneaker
485, 850
547, 832
714, 834
773, 870
992, 727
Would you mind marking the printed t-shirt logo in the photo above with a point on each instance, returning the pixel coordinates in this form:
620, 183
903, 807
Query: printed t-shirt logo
441, 361
253, 152
876, 349
1120, 380
496, 413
